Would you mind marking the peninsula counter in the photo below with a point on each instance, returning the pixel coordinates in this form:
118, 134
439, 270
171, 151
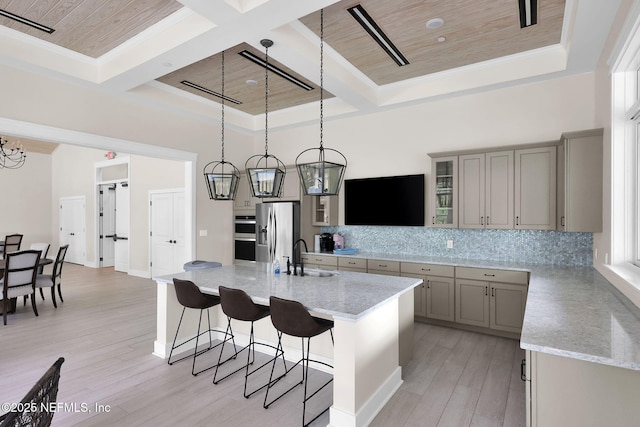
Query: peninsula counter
373, 331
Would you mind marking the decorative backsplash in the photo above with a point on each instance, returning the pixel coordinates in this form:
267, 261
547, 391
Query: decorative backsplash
534, 246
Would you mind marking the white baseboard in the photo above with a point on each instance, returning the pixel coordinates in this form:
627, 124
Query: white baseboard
366, 414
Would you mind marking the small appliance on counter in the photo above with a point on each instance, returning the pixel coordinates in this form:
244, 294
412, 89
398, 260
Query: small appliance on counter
338, 241
326, 242
316, 243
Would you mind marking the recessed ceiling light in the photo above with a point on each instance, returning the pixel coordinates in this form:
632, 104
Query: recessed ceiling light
441, 39
251, 82
435, 23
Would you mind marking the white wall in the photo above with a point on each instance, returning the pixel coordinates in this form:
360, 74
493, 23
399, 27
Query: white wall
73, 175
26, 200
385, 143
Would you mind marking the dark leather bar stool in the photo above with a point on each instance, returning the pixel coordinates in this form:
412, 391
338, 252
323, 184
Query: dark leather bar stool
236, 304
291, 318
189, 296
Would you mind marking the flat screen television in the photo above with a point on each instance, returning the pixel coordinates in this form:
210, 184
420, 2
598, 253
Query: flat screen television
389, 200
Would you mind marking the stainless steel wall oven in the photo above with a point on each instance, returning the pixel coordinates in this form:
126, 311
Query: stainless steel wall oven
245, 237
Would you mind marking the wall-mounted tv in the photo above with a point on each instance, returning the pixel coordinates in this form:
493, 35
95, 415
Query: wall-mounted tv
389, 200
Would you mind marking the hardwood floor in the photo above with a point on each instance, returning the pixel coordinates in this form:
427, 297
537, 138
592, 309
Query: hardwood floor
105, 331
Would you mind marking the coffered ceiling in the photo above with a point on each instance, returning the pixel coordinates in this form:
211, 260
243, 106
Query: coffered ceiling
150, 48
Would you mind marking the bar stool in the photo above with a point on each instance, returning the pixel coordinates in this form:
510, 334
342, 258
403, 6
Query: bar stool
291, 318
189, 296
236, 304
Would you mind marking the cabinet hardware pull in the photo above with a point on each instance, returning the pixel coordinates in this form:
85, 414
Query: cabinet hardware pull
433, 220
382, 265
523, 370
481, 220
351, 262
562, 221
493, 290
489, 275
425, 269
487, 219
428, 284
517, 220
486, 290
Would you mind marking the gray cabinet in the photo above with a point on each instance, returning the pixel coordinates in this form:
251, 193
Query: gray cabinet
324, 210
535, 188
434, 299
580, 181
486, 183
490, 298
244, 202
358, 265
443, 196
322, 262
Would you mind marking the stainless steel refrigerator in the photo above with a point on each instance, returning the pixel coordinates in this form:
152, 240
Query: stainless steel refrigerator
277, 229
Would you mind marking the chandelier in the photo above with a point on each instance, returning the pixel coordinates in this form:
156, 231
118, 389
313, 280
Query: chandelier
222, 185
319, 176
12, 155
265, 172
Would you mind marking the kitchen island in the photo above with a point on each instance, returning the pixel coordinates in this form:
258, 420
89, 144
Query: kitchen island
373, 317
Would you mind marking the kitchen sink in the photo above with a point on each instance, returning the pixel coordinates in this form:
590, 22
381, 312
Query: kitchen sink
319, 273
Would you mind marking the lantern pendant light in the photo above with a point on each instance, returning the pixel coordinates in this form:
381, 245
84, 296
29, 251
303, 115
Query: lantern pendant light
222, 185
321, 177
265, 172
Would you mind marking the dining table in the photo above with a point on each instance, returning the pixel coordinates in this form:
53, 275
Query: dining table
3, 263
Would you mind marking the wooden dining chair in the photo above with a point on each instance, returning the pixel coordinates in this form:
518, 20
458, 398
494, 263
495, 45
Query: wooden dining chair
19, 279
52, 280
44, 250
11, 244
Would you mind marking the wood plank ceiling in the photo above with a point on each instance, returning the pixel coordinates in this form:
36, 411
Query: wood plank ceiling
474, 31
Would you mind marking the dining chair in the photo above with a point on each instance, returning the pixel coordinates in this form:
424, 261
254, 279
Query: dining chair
33, 408
19, 279
11, 244
55, 278
44, 250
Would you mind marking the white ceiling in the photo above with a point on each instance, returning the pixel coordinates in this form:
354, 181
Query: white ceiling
203, 28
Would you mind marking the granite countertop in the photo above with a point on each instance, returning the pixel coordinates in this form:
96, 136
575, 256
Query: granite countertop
571, 311
343, 295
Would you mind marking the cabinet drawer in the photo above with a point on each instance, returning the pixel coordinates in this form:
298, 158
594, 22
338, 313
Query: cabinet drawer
382, 265
427, 269
322, 260
352, 263
491, 275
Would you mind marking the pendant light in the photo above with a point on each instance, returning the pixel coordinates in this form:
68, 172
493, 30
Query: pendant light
222, 185
320, 177
265, 172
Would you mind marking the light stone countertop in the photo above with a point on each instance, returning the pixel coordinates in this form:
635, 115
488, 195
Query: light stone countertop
344, 295
571, 311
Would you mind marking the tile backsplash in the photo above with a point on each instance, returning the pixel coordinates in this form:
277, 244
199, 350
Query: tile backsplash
533, 246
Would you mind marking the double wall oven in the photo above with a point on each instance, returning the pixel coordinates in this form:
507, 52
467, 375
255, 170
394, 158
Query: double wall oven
244, 237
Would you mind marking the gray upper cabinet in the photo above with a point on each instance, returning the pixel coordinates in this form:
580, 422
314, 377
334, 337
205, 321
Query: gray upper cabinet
580, 181
486, 190
535, 188
444, 192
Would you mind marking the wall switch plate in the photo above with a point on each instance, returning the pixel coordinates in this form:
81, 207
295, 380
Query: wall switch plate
449, 244
203, 233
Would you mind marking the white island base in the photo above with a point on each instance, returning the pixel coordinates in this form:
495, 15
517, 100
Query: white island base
373, 333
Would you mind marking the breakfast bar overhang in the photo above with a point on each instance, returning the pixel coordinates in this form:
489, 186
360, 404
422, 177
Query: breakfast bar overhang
373, 333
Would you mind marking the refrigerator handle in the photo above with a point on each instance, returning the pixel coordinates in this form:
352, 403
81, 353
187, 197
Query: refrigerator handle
275, 236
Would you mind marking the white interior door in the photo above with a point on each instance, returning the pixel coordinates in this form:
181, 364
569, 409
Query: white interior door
72, 228
167, 232
107, 224
121, 248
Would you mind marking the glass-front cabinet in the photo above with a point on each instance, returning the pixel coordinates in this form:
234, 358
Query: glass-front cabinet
443, 206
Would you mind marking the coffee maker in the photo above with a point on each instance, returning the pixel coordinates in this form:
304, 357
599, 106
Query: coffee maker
326, 242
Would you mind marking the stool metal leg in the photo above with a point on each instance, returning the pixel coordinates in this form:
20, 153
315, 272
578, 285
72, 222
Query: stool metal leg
250, 348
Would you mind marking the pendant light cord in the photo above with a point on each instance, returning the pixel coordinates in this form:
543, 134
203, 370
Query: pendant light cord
222, 127
266, 101
321, 74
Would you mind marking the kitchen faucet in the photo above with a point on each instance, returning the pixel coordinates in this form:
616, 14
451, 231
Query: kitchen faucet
295, 246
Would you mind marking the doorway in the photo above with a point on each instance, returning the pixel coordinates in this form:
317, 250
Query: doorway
113, 213
72, 228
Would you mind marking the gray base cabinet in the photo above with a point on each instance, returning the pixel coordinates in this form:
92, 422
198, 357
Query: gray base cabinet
434, 299
497, 302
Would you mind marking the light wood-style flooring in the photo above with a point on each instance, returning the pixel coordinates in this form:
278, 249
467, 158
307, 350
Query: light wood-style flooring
106, 327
